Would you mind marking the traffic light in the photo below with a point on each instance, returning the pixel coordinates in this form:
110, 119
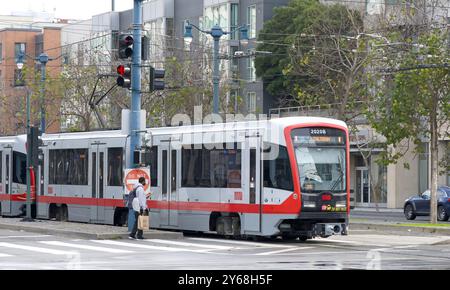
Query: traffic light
124, 79
156, 79
125, 46
34, 141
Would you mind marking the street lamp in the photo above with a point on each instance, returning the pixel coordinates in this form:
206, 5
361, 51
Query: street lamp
216, 32
28, 218
43, 59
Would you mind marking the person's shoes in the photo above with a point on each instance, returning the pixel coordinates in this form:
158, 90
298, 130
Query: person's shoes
139, 238
132, 237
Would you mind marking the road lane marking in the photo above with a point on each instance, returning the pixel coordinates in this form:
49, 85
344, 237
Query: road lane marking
217, 247
283, 251
15, 237
36, 249
86, 247
266, 245
4, 255
135, 245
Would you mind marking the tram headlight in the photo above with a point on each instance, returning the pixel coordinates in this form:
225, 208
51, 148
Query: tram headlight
309, 204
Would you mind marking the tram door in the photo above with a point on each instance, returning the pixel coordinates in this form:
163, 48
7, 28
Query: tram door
6, 180
97, 175
169, 192
252, 184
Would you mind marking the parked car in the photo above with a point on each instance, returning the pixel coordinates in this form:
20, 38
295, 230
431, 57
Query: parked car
419, 205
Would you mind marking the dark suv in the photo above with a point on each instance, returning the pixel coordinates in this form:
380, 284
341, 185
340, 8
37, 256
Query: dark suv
419, 205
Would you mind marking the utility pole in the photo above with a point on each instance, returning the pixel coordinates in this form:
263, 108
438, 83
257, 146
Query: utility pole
135, 117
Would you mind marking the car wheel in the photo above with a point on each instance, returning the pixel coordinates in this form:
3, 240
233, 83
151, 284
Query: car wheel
409, 212
442, 215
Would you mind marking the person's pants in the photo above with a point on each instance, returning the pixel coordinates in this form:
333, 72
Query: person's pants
131, 220
135, 229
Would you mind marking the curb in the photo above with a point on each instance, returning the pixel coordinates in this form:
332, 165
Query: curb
150, 234
403, 229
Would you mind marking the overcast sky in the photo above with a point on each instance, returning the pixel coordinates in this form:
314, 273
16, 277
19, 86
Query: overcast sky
67, 9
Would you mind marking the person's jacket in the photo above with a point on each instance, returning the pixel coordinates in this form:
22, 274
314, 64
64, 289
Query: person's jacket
140, 194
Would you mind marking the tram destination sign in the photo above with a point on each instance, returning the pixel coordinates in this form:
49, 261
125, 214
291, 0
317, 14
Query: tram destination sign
318, 136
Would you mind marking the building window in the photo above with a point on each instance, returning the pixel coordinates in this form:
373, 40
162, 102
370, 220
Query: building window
447, 158
19, 81
251, 21
1, 53
234, 11
217, 15
18, 49
251, 102
251, 72
423, 168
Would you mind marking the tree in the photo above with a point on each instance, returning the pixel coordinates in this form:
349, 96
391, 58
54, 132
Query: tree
411, 98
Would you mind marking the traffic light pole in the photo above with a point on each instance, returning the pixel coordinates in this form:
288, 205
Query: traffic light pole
135, 83
43, 59
28, 217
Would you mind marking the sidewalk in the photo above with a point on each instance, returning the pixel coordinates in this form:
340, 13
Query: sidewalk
399, 227
80, 230
372, 209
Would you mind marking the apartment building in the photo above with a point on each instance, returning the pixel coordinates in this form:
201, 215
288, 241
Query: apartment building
20, 34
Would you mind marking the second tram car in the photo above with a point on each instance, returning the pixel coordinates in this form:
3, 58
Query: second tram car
284, 177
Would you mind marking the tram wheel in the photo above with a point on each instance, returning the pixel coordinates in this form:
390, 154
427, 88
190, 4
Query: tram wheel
303, 238
287, 237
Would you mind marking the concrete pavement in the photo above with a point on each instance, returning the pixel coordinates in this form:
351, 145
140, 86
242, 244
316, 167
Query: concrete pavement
80, 230
367, 250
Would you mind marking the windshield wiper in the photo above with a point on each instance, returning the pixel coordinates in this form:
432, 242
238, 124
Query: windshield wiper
341, 175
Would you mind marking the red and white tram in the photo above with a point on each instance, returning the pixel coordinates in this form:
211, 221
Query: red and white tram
13, 182
284, 177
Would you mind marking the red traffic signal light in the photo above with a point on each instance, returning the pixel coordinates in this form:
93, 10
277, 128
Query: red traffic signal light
124, 80
124, 70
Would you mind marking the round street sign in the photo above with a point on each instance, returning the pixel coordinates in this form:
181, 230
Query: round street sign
132, 177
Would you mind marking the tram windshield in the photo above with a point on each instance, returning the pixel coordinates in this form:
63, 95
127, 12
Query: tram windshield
320, 154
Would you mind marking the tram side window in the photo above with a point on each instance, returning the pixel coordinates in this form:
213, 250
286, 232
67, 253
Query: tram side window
1, 162
115, 166
19, 168
68, 166
277, 172
150, 158
220, 168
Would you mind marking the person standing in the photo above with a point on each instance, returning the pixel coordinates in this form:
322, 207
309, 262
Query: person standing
139, 206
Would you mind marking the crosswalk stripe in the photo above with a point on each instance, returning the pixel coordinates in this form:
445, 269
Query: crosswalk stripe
135, 245
190, 244
4, 255
86, 247
35, 249
262, 244
283, 251
15, 237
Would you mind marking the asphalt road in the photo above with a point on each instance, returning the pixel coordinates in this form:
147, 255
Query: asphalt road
359, 250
